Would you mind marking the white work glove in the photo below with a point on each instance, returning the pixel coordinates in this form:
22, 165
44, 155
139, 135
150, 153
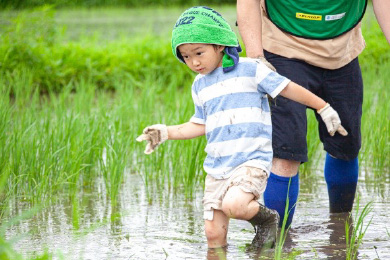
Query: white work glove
154, 135
332, 120
266, 63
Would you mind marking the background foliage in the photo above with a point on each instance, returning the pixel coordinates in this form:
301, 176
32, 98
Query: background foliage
20, 4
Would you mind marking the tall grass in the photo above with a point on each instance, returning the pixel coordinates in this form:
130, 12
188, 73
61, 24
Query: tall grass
20, 4
376, 122
284, 229
70, 111
66, 140
355, 232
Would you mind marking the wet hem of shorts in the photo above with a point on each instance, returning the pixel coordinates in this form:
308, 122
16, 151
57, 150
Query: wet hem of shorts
340, 155
291, 156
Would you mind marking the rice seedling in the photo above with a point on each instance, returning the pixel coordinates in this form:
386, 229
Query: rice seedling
283, 233
355, 232
376, 131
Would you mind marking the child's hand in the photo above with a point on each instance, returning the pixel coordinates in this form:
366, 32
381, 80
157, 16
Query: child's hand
155, 135
332, 120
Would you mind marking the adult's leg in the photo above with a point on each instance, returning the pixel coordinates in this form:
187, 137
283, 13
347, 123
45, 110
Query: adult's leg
289, 125
344, 92
341, 177
283, 183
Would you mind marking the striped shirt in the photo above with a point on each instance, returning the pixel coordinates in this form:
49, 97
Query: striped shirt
234, 108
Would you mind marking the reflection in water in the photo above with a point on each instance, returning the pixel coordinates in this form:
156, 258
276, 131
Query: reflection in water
86, 226
260, 253
336, 250
116, 220
228, 253
216, 253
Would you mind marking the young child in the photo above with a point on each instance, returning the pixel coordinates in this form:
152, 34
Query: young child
232, 110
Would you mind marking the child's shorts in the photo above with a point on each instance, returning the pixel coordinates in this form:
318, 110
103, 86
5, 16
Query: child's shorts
249, 179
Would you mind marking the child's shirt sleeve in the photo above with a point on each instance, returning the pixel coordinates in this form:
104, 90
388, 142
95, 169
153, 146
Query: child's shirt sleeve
199, 115
268, 81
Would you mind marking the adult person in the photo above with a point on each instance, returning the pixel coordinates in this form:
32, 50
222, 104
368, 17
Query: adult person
315, 44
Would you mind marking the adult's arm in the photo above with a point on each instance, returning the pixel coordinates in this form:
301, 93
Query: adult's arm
381, 10
249, 26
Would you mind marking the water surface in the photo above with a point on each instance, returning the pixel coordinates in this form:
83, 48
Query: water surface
171, 227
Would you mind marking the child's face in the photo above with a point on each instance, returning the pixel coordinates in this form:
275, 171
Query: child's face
202, 58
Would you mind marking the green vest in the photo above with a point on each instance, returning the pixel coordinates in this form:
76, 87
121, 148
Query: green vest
318, 19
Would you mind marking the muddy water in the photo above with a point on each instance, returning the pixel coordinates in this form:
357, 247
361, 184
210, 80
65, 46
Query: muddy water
172, 228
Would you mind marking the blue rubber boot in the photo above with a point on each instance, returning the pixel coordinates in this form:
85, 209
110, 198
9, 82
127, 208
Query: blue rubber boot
341, 178
275, 195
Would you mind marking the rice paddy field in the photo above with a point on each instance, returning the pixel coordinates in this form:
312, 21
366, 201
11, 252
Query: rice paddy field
79, 85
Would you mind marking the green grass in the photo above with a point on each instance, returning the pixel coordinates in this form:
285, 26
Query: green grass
355, 232
283, 230
21, 4
80, 104
74, 101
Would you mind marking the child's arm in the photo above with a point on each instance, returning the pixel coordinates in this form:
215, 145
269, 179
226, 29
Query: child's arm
301, 95
184, 131
157, 134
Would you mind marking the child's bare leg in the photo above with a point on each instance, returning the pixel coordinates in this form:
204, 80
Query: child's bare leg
242, 205
216, 230
239, 204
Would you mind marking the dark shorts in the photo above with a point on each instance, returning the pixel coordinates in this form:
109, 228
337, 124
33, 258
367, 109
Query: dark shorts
341, 88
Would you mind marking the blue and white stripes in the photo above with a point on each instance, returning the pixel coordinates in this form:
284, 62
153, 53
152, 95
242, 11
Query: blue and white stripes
234, 107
